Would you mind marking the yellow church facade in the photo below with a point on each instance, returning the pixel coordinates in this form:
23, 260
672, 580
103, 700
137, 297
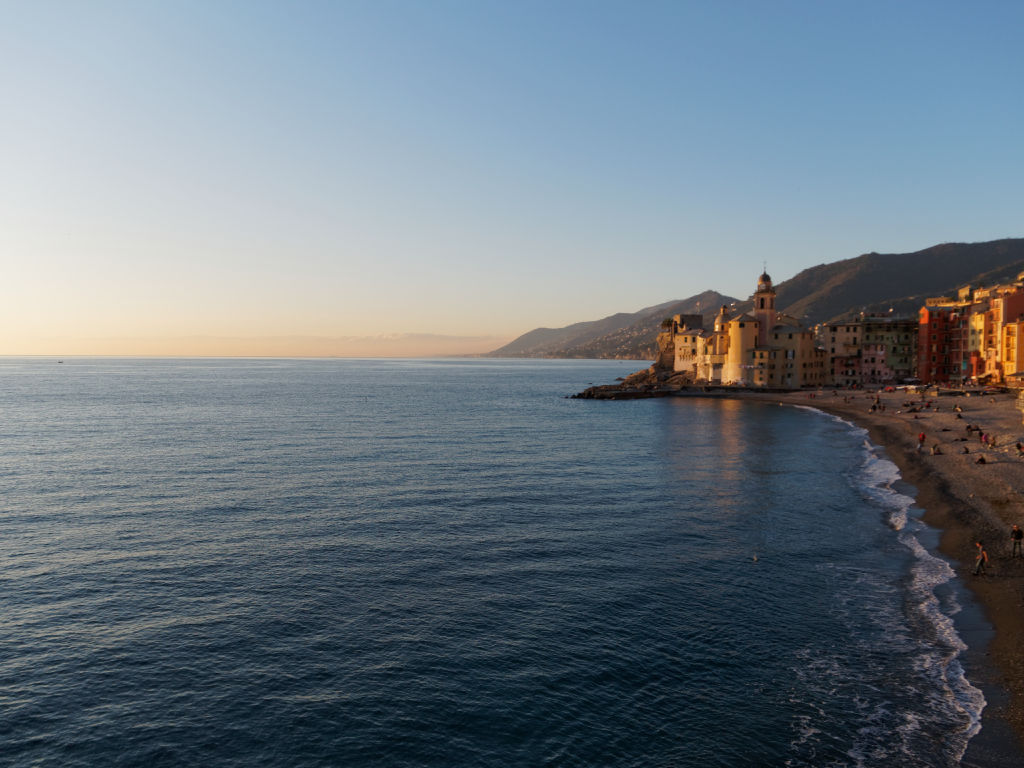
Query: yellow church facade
759, 348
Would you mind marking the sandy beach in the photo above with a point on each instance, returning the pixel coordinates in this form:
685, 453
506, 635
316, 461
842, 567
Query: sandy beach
968, 501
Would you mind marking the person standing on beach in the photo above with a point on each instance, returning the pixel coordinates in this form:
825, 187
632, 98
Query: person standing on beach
1016, 536
920, 442
980, 559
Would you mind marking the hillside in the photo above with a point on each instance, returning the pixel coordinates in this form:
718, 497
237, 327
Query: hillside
873, 282
902, 281
623, 335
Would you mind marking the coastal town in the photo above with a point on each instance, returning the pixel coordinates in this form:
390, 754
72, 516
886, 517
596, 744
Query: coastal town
940, 393
973, 338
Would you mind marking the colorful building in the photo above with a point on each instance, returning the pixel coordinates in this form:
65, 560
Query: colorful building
872, 350
937, 327
889, 350
973, 337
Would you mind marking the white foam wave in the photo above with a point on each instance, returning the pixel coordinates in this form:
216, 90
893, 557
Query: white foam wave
941, 645
878, 476
833, 417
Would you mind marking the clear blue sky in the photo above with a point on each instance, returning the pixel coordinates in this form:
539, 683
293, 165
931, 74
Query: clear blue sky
478, 168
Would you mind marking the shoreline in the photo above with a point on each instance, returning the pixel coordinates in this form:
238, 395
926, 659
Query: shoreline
964, 501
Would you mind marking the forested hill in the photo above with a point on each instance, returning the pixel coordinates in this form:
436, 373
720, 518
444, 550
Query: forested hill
873, 282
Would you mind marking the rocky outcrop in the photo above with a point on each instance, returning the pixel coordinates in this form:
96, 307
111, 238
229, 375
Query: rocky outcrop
665, 360
650, 382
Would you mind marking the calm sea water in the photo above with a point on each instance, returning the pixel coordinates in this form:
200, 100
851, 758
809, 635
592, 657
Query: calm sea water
448, 563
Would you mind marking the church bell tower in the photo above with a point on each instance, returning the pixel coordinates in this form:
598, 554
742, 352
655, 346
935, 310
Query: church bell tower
764, 308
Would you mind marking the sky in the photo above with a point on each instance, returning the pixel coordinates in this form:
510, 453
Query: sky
399, 177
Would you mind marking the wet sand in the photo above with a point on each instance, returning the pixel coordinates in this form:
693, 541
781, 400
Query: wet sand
968, 502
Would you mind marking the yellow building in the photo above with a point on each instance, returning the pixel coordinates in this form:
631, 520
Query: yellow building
697, 353
760, 348
1013, 349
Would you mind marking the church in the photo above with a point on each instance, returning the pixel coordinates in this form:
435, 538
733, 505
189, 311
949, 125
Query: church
758, 348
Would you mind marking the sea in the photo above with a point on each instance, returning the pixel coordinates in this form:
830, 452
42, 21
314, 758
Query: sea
439, 563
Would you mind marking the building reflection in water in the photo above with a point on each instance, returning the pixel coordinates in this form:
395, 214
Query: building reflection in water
730, 461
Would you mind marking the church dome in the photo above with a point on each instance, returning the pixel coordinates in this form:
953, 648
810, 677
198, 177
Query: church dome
764, 282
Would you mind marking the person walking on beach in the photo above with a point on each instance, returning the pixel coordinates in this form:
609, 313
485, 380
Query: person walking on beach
980, 559
1016, 536
920, 442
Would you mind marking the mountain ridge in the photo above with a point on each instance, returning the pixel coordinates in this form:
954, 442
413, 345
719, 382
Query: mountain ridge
872, 282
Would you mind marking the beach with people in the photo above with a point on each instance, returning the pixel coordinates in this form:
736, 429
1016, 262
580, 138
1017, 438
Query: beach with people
964, 456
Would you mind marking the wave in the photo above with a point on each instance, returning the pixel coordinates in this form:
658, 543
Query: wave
940, 646
947, 703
